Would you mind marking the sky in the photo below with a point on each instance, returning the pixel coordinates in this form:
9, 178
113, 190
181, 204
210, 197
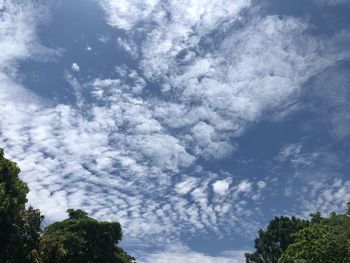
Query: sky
192, 123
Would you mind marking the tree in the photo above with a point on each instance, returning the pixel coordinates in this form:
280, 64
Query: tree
342, 225
82, 239
19, 227
318, 243
272, 242
25, 237
319, 240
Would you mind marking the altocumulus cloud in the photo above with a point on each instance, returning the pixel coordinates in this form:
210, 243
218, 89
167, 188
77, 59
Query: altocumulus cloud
122, 155
215, 91
114, 150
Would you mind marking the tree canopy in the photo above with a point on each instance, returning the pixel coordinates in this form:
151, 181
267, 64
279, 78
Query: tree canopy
271, 242
81, 239
19, 227
292, 240
318, 243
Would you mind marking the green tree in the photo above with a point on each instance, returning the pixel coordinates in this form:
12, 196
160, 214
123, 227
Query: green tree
19, 227
318, 243
273, 241
341, 223
82, 239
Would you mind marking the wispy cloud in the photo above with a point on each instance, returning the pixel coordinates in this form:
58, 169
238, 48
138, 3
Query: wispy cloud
18, 20
316, 180
126, 14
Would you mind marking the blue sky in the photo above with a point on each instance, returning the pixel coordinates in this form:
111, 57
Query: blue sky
192, 123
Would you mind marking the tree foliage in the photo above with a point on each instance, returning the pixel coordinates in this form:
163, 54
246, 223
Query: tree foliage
318, 243
82, 239
19, 227
318, 240
271, 242
13, 191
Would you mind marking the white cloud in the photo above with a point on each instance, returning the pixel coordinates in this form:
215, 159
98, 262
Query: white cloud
125, 14
220, 92
310, 164
244, 187
17, 32
208, 143
186, 186
129, 46
256, 69
69, 156
297, 157
220, 187
325, 196
188, 23
75, 67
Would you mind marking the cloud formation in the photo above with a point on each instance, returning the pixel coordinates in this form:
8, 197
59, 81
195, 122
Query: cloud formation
126, 14
220, 187
75, 67
122, 155
17, 30
117, 162
315, 179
